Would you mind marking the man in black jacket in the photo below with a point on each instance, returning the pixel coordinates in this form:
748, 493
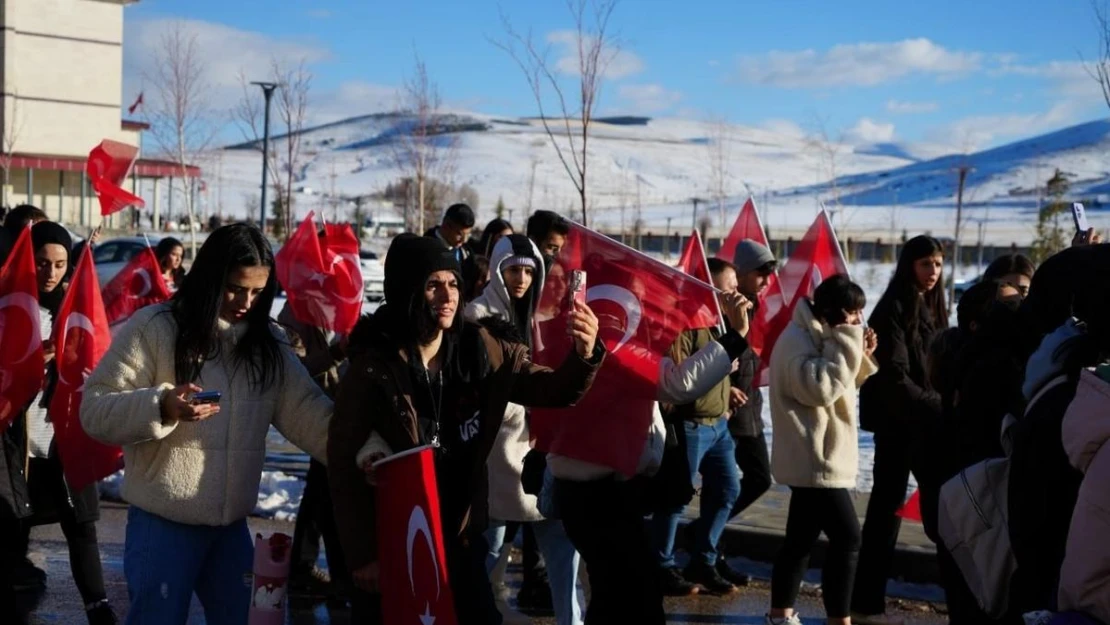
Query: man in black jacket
454, 230
749, 275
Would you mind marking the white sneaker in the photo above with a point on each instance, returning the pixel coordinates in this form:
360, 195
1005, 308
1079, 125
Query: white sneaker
876, 619
793, 619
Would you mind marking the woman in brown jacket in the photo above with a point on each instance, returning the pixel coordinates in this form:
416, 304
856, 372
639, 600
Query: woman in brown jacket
421, 375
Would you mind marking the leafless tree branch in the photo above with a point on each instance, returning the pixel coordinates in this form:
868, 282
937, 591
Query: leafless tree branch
595, 48
719, 146
181, 117
427, 148
1099, 69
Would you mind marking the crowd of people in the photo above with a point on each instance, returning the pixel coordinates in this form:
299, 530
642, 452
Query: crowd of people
1022, 378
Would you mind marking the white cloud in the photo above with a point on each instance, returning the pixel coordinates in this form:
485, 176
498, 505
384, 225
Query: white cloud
1070, 78
226, 52
974, 133
617, 63
910, 108
867, 131
857, 64
648, 99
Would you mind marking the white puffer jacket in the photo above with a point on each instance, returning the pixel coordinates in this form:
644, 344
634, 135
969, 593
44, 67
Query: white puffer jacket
207, 472
507, 499
816, 370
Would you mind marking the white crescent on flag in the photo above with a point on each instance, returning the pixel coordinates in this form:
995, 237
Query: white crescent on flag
626, 300
30, 306
147, 285
74, 320
418, 524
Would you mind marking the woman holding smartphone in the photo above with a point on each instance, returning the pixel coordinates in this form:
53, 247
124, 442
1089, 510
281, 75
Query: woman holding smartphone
193, 461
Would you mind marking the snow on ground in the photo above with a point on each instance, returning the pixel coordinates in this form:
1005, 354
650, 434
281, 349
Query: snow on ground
660, 164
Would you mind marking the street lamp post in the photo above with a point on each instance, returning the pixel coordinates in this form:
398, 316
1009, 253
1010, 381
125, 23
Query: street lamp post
268, 92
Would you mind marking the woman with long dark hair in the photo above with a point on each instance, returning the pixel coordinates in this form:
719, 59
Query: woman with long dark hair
38, 493
495, 229
193, 461
900, 406
170, 252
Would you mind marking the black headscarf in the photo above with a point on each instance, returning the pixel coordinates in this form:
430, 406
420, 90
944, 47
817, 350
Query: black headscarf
43, 233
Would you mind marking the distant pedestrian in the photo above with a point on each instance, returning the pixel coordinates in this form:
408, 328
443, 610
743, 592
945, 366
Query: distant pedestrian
454, 230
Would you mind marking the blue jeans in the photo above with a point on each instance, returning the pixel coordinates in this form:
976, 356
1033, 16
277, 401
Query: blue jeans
710, 451
166, 562
562, 565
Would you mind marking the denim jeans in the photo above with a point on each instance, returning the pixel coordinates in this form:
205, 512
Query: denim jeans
166, 562
711, 452
562, 565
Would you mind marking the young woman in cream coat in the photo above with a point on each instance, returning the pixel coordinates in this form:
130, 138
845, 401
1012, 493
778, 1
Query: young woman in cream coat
819, 362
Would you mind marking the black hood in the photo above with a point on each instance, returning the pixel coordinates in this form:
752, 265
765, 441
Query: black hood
408, 263
1073, 283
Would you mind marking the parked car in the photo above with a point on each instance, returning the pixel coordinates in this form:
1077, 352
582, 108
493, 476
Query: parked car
373, 274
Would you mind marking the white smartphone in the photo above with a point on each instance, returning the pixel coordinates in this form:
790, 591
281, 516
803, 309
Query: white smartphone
1080, 217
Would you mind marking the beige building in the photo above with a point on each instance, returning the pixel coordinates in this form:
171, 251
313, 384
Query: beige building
62, 76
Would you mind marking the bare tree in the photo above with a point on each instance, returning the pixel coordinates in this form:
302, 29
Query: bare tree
719, 144
294, 83
596, 49
427, 151
1099, 69
829, 150
13, 127
181, 117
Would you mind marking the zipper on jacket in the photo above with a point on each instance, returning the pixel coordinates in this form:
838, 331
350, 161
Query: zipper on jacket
974, 501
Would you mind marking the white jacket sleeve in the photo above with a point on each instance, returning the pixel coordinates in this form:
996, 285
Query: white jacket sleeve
684, 383
121, 404
303, 411
821, 380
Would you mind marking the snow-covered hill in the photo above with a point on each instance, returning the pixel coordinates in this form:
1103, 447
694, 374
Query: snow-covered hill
660, 164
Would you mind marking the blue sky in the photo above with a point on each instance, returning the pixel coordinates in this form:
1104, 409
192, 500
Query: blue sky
964, 75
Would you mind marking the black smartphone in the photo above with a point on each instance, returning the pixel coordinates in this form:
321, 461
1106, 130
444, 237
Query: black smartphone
206, 397
1080, 217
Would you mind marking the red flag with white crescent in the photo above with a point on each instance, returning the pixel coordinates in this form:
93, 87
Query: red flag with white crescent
693, 262
21, 354
80, 338
413, 563
322, 276
108, 166
816, 257
747, 226
641, 305
139, 284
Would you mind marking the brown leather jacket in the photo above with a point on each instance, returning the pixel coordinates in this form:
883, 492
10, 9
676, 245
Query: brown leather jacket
376, 395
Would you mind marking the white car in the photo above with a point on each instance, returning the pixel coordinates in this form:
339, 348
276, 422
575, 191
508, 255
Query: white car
112, 255
373, 275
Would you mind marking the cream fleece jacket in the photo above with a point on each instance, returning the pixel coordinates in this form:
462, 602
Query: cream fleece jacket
816, 370
207, 472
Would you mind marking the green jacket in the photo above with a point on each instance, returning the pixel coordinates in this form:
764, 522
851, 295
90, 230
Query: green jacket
714, 404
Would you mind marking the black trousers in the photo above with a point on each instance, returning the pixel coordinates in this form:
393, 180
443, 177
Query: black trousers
466, 572
11, 554
812, 511
46, 481
895, 459
316, 521
755, 471
604, 519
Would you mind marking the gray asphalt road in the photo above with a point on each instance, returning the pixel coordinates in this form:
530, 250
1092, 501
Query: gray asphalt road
61, 605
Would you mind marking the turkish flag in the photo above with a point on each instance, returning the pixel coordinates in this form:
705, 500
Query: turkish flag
109, 164
322, 276
641, 305
911, 510
816, 257
134, 106
747, 226
80, 337
692, 262
411, 557
137, 285
21, 356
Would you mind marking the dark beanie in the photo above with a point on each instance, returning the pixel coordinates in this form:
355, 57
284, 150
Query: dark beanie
45, 232
409, 262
